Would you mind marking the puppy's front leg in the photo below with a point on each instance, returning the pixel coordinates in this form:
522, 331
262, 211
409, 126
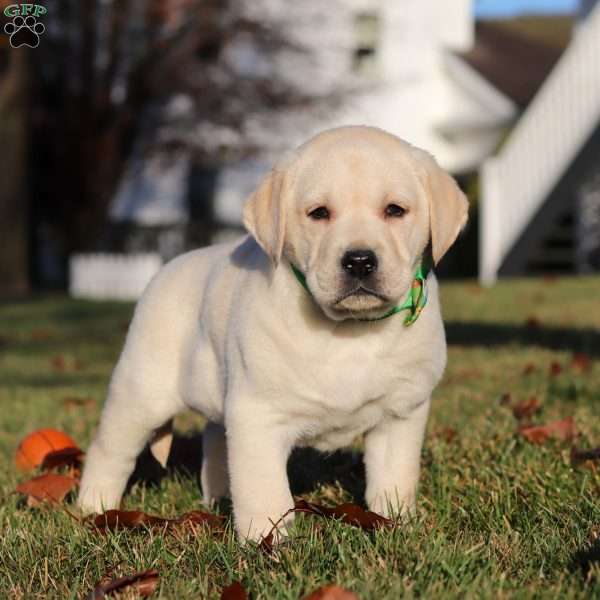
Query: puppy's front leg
392, 461
258, 448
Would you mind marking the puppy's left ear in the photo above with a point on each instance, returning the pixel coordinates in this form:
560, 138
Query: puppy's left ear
264, 215
448, 206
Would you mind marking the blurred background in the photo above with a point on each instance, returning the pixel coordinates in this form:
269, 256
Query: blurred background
133, 130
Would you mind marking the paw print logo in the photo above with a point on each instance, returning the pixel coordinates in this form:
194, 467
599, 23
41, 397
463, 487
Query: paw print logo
24, 31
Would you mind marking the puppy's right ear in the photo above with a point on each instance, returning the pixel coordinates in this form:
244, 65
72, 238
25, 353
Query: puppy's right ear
264, 215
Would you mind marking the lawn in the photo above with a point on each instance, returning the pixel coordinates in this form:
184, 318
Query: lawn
498, 517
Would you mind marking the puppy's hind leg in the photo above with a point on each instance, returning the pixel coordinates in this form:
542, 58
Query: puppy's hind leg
215, 474
131, 414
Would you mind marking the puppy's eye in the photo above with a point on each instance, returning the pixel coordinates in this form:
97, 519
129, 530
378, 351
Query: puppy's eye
319, 213
394, 210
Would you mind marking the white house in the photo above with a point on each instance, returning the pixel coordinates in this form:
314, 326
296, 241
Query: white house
549, 170
394, 65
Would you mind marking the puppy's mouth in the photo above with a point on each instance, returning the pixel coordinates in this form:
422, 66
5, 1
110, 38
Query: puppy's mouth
360, 298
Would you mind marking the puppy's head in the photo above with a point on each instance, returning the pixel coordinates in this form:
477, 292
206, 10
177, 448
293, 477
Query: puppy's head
354, 208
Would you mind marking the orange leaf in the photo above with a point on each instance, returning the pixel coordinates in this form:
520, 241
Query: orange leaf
561, 430
49, 486
144, 584
234, 591
332, 592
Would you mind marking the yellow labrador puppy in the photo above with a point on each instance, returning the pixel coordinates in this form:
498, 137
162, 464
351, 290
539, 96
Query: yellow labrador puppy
322, 325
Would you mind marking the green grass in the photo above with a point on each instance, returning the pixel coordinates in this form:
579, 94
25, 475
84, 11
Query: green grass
497, 517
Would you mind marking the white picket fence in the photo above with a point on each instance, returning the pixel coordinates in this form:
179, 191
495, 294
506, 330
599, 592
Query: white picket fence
111, 276
553, 129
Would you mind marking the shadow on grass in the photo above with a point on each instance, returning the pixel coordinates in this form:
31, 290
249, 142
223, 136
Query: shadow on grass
467, 333
308, 469
47, 381
585, 559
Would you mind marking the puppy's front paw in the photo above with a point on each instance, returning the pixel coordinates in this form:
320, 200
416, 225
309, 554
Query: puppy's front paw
256, 527
393, 503
97, 498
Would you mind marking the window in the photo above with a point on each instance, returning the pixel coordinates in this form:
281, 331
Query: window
366, 33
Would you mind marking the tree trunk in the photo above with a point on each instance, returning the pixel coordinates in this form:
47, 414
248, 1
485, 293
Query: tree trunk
14, 200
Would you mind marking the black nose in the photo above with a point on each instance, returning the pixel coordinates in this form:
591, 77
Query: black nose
359, 263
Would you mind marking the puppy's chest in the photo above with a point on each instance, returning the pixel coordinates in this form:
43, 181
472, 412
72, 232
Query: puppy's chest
349, 380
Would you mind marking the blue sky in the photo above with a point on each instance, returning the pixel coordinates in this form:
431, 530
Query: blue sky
503, 8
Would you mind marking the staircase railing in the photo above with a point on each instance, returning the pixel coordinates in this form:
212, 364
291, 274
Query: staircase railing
546, 140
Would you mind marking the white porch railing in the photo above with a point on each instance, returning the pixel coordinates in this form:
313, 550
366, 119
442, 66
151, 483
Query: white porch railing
555, 126
111, 276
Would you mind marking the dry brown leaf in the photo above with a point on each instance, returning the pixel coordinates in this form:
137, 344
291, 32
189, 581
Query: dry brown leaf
555, 369
144, 584
40, 335
526, 409
348, 513
529, 369
59, 363
561, 430
579, 456
331, 592
49, 486
136, 519
448, 434
581, 362
75, 402
234, 591
66, 457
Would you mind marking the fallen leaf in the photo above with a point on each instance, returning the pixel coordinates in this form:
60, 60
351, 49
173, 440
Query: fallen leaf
581, 362
579, 456
74, 402
66, 457
561, 430
234, 591
59, 363
529, 369
525, 410
555, 368
40, 335
266, 544
331, 592
348, 513
198, 517
448, 434
49, 486
136, 519
127, 519
144, 584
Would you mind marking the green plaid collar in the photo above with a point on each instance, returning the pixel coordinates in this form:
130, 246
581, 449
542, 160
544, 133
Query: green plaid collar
415, 301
